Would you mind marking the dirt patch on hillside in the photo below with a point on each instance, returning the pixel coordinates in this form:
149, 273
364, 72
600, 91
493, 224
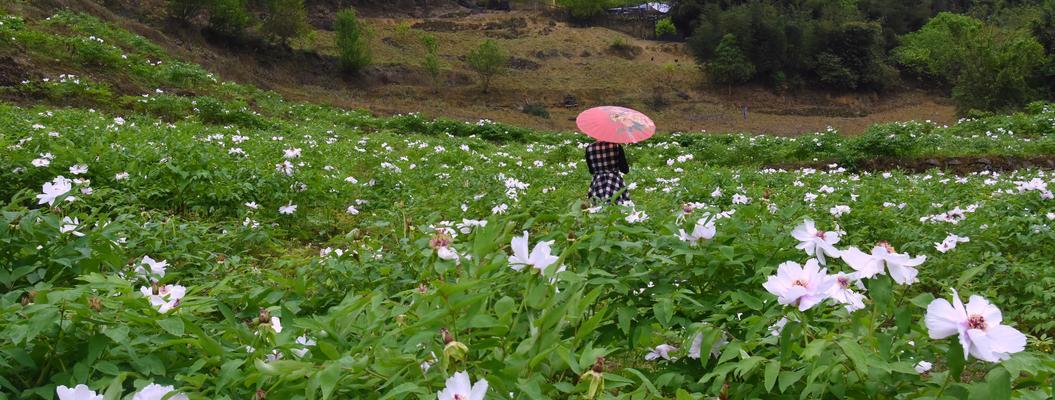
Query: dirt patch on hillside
956, 165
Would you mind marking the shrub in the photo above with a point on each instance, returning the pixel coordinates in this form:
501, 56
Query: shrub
286, 19
228, 17
582, 9
729, 64
488, 61
665, 27
431, 63
536, 109
185, 9
352, 41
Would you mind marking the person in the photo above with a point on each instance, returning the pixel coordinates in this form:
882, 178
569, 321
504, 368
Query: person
607, 164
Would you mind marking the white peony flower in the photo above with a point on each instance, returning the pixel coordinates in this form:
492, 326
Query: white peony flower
459, 387
815, 242
704, 229
154, 391
539, 258
288, 209
166, 298
80, 392
55, 189
154, 269
883, 257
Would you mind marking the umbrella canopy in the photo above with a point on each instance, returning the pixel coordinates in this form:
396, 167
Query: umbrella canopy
615, 124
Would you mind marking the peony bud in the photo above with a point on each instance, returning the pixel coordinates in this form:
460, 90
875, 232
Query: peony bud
265, 316
595, 377
95, 303
27, 297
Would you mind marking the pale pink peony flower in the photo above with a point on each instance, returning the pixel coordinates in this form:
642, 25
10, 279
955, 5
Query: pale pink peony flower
842, 293
978, 325
662, 351
803, 286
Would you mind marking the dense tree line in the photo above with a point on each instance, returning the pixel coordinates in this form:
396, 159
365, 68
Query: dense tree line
874, 45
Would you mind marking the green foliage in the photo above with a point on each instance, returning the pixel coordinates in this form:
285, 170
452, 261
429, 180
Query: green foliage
488, 60
938, 49
229, 17
1006, 67
374, 310
536, 109
665, 27
583, 9
431, 62
185, 9
285, 20
844, 45
352, 41
729, 64
1002, 74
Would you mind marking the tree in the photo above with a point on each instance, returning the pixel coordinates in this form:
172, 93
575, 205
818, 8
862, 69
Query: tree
286, 19
488, 61
431, 63
1004, 72
352, 41
939, 48
729, 65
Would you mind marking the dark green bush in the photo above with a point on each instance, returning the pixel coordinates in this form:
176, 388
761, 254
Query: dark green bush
536, 109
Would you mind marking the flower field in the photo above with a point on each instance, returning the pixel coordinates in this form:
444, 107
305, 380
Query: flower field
295, 251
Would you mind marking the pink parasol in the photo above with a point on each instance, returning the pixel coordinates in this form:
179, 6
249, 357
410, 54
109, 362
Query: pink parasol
615, 124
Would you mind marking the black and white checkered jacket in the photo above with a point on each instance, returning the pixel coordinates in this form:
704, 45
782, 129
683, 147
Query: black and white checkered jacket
606, 157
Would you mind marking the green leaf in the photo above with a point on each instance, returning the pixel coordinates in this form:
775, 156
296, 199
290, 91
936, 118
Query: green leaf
113, 392
923, 300
328, 379
856, 354
788, 378
172, 325
772, 369
119, 334
999, 382
664, 311
955, 359
750, 301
